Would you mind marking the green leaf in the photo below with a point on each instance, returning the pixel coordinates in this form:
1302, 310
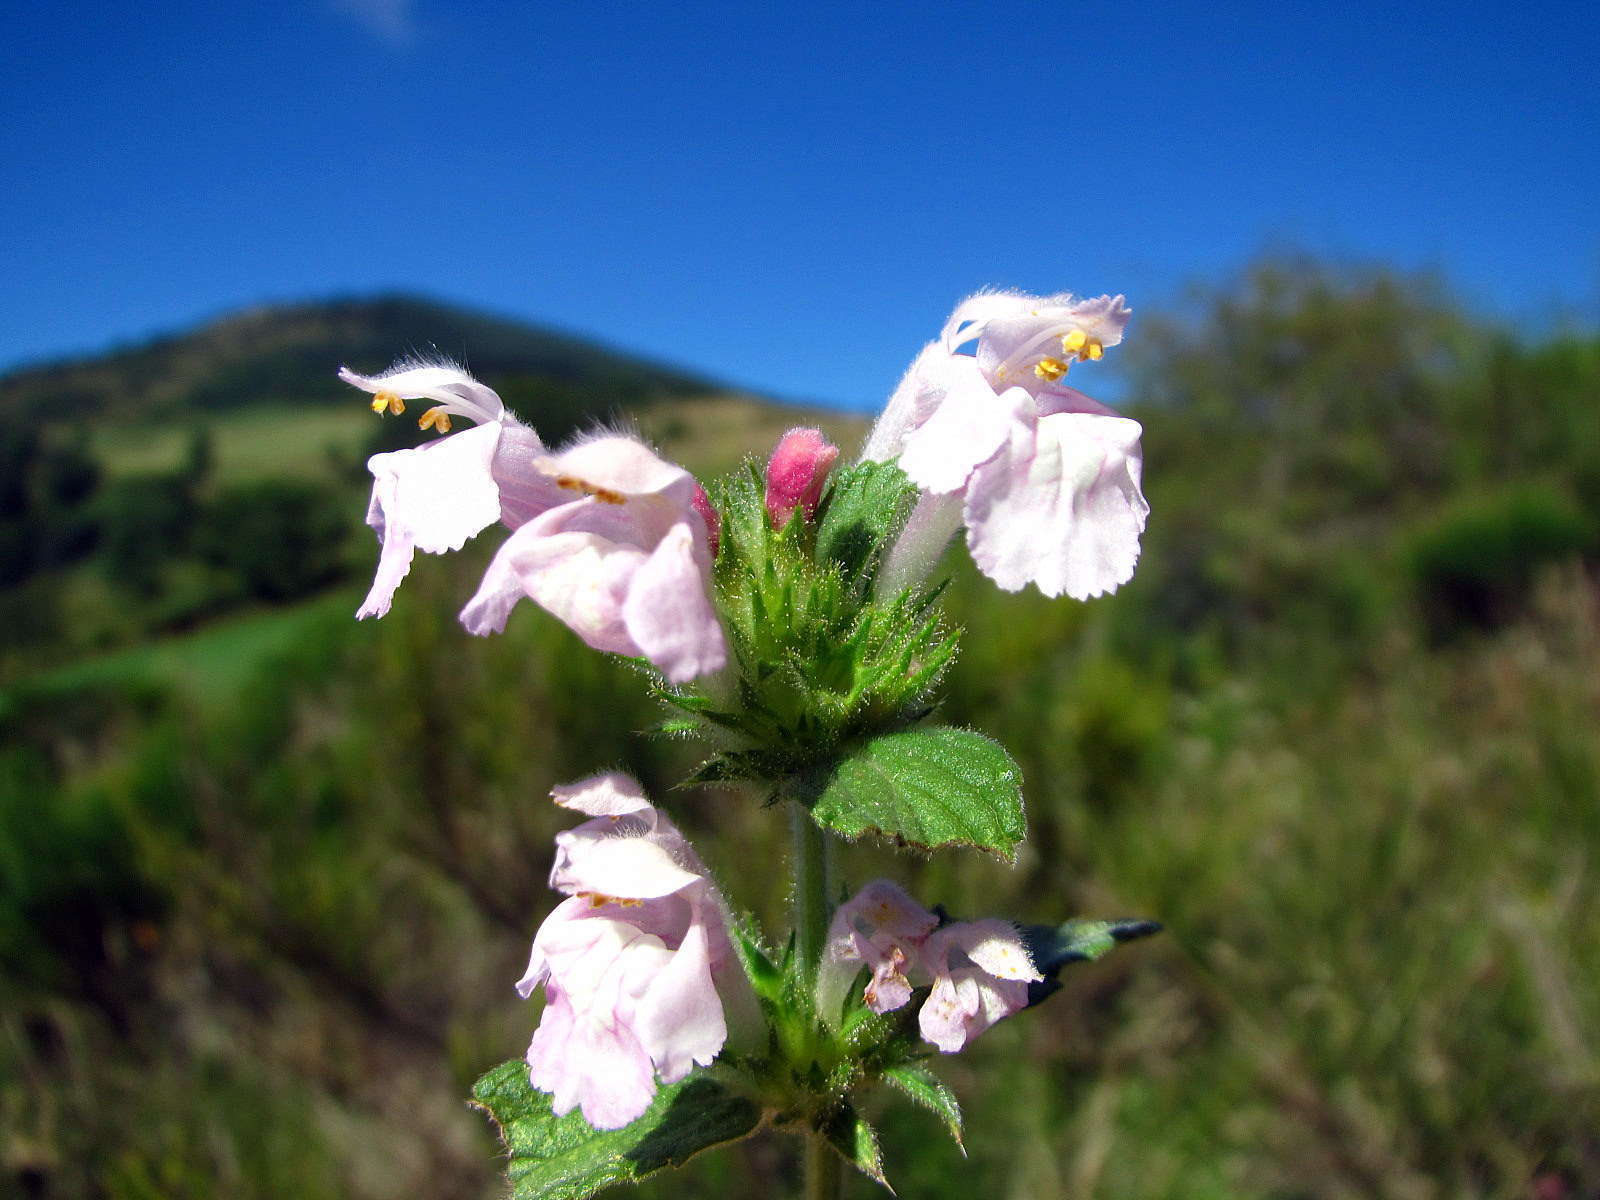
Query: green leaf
923, 1087
926, 788
1053, 947
847, 1132
564, 1158
864, 507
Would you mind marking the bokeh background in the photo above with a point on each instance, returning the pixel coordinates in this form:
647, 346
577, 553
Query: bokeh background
266, 875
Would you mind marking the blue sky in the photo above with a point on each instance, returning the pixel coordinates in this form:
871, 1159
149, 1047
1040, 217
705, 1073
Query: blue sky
787, 197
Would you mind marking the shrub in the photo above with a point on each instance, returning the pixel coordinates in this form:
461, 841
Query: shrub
1474, 565
279, 539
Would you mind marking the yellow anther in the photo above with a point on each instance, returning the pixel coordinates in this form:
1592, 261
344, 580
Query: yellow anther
1094, 351
387, 401
435, 418
1073, 342
1050, 369
603, 494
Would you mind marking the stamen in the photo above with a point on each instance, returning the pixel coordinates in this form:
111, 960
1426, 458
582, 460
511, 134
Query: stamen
1075, 343
1087, 349
382, 401
1050, 369
1025, 351
602, 494
435, 418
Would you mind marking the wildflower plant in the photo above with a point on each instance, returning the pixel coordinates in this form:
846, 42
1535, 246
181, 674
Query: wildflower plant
788, 618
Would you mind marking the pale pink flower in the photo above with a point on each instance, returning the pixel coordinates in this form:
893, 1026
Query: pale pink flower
977, 971
631, 962
796, 471
1045, 479
625, 562
981, 971
436, 496
880, 928
622, 549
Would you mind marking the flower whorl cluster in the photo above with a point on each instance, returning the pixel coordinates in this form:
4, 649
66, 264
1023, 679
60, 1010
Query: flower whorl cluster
607, 536
631, 961
1045, 479
977, 971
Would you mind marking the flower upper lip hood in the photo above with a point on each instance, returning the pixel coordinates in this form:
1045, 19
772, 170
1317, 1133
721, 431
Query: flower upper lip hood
1018, 334
452, 389
1046, 480
980, 971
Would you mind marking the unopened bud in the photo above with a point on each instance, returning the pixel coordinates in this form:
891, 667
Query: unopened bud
796, 471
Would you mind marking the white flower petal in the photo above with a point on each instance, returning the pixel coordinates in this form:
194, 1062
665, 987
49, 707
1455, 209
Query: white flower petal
912, 403
968, 426
996, 946
623, 465
525, 490
668, 612
582, 578
631, 868
611, 794
1059, 506
431, 498
973, 313
679, 1019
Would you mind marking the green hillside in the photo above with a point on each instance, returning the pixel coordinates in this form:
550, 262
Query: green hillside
286, 354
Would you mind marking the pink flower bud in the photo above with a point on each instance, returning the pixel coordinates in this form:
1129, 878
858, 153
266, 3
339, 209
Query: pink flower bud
796, 472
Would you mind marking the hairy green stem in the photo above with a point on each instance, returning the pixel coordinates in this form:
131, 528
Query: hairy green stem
810, 887
824, 1170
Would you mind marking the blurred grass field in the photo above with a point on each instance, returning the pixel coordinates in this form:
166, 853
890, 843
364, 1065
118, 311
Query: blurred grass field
265, 883
275, 441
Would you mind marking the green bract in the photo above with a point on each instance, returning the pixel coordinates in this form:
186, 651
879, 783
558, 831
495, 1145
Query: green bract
817, 663
830, 684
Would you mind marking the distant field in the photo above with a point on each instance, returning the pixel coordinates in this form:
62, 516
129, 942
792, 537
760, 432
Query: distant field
713, 433
276, 441
209, 664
